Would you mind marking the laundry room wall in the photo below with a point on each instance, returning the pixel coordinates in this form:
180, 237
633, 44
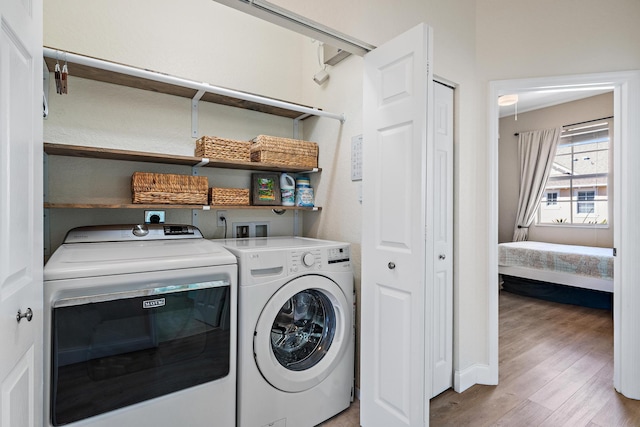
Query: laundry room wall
206, 41
203, 42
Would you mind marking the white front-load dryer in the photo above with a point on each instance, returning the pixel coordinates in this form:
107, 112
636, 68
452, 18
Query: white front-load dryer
295, 330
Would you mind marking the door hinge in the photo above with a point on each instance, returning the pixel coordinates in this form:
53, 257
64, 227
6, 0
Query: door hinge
615, 252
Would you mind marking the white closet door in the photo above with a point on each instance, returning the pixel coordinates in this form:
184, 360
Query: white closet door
21, 212
442, 302
395, 378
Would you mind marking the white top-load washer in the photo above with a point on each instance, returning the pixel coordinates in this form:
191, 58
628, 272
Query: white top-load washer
140, 328
295, 330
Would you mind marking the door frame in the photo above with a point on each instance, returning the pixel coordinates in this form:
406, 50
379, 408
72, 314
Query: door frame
626, 88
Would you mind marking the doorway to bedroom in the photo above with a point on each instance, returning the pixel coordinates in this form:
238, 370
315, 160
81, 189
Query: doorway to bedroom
555, 230
621, 87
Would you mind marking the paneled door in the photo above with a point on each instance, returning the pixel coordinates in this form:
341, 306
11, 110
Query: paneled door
21, 318
397, 244
442, 302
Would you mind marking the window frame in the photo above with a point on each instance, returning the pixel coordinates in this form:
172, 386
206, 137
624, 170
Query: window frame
603, 179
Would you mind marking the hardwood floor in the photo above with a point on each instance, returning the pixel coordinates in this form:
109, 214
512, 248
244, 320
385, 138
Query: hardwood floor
556, 369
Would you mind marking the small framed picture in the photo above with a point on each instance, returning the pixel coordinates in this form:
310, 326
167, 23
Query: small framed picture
265, 189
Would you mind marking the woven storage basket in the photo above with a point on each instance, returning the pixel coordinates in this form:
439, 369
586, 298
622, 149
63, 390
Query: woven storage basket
169, 188
284, 151
213, 147
229, 196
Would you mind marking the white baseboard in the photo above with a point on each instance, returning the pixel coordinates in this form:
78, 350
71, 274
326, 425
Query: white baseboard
474, 374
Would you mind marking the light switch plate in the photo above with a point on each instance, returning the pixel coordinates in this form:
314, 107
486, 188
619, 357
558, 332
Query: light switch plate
356, 158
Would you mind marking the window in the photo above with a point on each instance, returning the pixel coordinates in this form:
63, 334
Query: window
552, 198
578, 186
586, 202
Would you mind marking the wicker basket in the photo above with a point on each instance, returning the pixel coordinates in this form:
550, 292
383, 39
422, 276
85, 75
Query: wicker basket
284, 151
213, 147
167, 188
229, 196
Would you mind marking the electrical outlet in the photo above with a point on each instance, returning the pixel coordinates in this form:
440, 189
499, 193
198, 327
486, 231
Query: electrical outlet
220, 215
151, 217
250, 229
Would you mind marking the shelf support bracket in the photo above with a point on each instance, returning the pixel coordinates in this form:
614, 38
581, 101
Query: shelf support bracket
195, 101
296, 125
296, 223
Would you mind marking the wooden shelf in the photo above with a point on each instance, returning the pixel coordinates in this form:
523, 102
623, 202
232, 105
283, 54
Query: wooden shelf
48, 205
138, 82
139, 156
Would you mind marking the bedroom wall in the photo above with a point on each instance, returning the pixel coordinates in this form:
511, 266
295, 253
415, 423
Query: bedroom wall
591, 108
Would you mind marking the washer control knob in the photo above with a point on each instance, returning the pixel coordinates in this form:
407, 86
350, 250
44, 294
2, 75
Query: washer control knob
140, 230
308, 259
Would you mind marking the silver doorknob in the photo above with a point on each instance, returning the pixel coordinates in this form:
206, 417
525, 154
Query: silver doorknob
27, 314
442, 256
391, 265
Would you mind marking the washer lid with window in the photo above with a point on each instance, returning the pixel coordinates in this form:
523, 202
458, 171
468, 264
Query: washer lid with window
302, 333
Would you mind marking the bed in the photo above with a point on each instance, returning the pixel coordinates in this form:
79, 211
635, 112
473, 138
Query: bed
579, 275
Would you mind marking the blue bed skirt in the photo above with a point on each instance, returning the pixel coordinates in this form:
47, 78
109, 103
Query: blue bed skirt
558, 293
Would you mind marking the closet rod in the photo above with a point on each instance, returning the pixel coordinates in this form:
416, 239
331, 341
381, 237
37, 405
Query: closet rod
579, 123
177, 81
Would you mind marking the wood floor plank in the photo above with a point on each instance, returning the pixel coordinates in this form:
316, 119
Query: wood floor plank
557, 392
528, 383
618, 411
583, 405
485, 407
528, 413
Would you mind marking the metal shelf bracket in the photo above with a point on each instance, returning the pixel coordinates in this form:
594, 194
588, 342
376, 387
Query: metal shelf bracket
195, 101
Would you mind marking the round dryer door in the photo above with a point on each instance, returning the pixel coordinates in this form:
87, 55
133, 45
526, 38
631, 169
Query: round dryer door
302, 333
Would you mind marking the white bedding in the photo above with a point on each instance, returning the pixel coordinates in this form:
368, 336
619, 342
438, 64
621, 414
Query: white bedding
581, 266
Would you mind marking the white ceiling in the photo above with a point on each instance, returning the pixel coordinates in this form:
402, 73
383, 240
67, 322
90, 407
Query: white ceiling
529, 101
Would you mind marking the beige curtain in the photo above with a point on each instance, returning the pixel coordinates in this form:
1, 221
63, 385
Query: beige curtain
536, 151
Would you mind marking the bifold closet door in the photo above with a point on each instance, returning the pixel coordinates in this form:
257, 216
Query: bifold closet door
442, 302
396, 242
